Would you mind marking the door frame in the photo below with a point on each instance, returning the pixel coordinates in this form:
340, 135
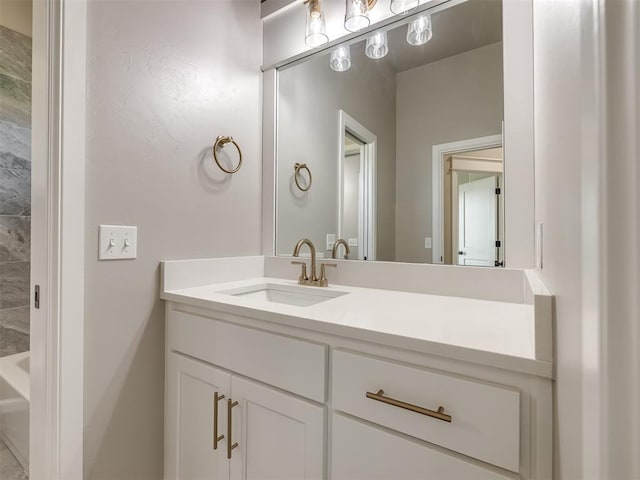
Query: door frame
58, 232
438, 154
368, 206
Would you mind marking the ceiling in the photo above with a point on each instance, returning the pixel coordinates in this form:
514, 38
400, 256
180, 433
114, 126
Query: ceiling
458, 29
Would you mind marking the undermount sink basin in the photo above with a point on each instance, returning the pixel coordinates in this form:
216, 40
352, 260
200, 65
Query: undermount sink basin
288, 294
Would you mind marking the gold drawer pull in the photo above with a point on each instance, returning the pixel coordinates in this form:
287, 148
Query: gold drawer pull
216, 437
230, 444
439, 414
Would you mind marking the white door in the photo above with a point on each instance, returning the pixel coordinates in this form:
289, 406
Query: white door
190, 420
361, 451
280, 437
477, 222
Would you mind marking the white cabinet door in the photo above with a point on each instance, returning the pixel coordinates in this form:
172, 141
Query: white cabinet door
360, 451
279, 436
191, 388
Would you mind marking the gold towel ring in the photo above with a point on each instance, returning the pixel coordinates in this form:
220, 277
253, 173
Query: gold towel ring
301, 166
221, 141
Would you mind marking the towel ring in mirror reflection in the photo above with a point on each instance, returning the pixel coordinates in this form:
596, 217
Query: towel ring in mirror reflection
221, 141
301, 166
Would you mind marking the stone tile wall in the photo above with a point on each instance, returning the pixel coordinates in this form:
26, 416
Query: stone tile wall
15, 190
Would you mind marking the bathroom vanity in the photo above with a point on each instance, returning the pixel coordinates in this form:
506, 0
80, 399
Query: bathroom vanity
410, 370
393, 371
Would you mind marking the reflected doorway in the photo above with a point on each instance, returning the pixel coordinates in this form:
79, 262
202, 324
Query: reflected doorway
356, 193
352, 196
468, 207
473, 208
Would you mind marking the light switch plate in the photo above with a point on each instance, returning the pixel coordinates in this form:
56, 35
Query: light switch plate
427, 242
353, 242
331, 240
118, 242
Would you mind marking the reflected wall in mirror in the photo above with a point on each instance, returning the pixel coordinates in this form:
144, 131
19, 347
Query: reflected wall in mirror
405, 150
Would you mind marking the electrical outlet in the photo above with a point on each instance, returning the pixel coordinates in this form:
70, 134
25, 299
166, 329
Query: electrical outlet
118, 242
331, 240
427, 242
353, 242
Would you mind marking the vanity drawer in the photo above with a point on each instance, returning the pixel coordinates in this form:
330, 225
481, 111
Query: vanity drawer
294, 365
485, 419
363, 451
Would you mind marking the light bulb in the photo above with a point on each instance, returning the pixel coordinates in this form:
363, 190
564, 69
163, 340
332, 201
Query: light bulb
377, 45
315, 28
356, 15
419, 31
340, 58
402, 7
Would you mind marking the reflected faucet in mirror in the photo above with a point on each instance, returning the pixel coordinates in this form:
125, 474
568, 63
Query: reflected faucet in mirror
303, 279
347, 250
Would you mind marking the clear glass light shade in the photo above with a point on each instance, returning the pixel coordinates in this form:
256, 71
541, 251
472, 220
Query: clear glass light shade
419, 31
315, 28
377, 45
340, 59
402, 7
356, 15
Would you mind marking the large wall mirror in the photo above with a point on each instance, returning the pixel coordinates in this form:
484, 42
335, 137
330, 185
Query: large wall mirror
394, 142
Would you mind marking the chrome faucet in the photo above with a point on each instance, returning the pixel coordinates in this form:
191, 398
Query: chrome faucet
340, 241
314, 280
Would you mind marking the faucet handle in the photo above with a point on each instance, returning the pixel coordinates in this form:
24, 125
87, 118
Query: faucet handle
323, 273
303, 278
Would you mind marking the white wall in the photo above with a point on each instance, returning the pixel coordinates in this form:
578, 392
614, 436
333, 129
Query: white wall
518, 198
311, 95
558, 109
453, 99
621, 247
164, 79
17, 15
587, 66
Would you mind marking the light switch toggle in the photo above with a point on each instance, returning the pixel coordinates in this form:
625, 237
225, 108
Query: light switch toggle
118, 242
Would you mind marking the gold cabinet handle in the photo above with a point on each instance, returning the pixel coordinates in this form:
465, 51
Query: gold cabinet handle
230, 444
216, 437
439, 414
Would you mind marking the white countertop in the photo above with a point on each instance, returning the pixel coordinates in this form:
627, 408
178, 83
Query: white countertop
494, 333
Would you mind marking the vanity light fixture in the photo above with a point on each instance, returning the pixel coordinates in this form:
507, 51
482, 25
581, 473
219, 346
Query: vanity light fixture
356, 15
315, 27
377, 45
340, 58
419, 31
402, 7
